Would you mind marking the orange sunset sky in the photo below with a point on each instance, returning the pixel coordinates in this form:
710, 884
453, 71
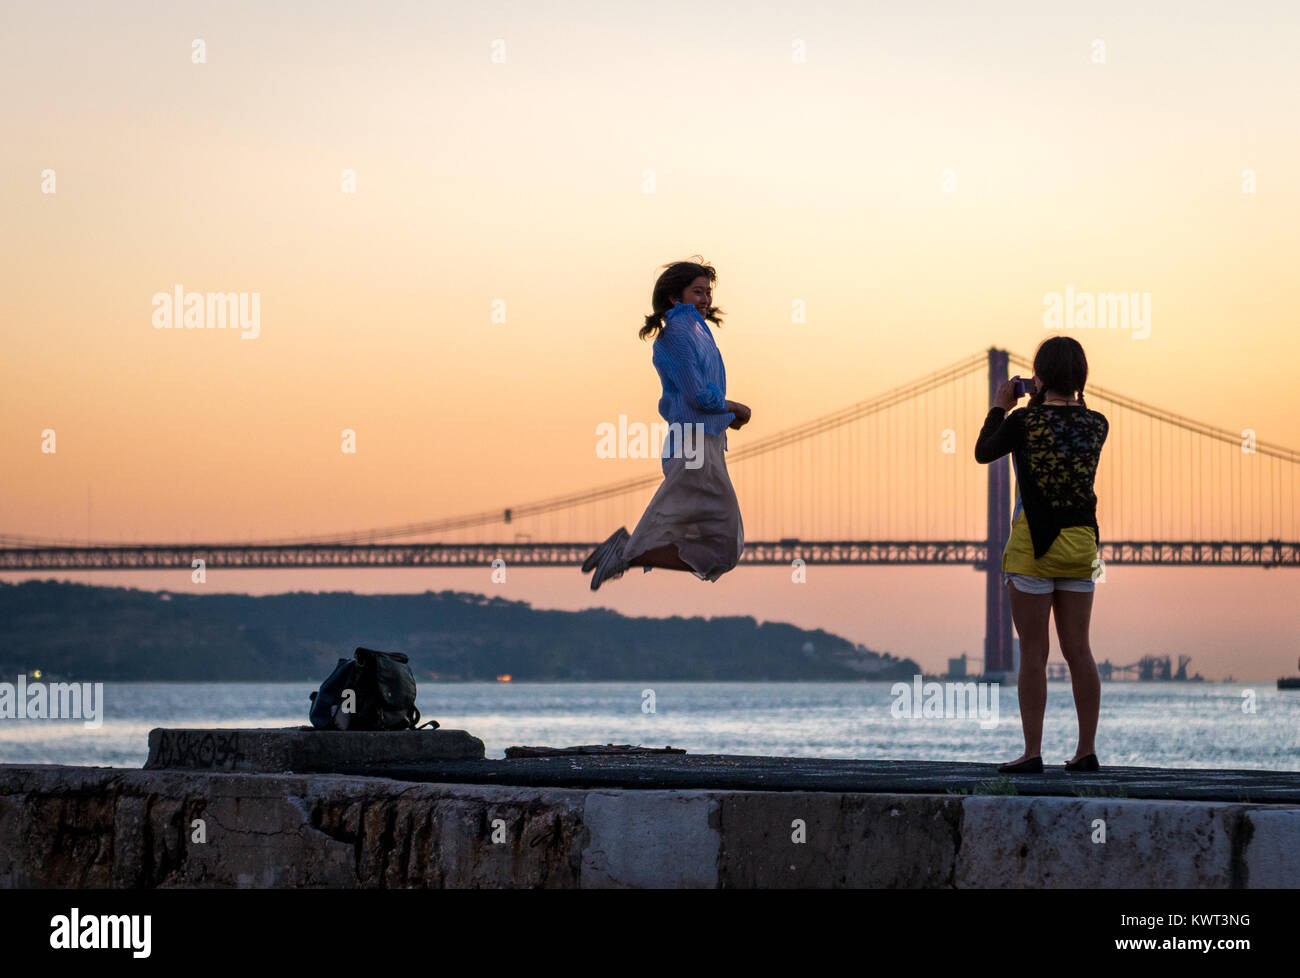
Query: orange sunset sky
501, 152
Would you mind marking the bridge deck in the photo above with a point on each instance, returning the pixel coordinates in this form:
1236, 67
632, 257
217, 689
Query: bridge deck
1187, 553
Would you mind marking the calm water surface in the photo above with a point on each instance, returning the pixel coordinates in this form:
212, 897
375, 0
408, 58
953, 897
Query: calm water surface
1153, 724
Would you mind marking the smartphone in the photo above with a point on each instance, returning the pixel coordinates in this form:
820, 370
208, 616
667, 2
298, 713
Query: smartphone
1024, 385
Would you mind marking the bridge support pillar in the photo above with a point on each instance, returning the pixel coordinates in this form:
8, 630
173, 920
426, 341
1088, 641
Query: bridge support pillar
997, 608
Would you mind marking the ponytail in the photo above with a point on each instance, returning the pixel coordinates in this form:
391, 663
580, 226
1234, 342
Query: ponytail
1037, 398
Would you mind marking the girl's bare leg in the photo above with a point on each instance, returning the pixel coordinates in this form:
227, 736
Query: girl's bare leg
1073, 614
1029, 613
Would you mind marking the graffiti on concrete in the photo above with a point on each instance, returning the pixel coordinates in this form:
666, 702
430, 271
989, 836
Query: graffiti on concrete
197, 749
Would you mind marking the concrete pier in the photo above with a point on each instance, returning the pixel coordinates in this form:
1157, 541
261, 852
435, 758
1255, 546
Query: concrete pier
667, 821
754, 773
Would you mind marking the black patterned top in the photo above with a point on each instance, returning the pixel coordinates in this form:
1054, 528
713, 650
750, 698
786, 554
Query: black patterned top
1055, 448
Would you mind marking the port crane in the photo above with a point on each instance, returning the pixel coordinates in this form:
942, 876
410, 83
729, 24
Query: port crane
1149, 668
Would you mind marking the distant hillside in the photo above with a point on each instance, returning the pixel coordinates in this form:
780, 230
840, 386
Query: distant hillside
76, 631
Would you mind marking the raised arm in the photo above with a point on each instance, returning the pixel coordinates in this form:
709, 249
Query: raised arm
1002, 433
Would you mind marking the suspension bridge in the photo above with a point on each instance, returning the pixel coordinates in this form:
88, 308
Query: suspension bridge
888, 480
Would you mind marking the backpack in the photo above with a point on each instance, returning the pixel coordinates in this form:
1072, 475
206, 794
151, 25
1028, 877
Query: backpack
383, 694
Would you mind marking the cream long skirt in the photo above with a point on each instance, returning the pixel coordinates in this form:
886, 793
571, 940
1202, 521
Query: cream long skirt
696, 511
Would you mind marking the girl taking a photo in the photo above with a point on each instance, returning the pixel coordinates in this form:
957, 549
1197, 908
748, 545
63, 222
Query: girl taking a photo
1050, 561
693, 522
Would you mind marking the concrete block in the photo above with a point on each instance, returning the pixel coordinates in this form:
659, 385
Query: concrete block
650, 840
1272, 858
303, 749
853, 840
1009, 841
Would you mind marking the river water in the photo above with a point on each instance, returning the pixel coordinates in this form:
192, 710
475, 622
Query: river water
1197, 725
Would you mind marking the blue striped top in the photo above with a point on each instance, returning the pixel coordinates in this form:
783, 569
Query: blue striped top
694, 378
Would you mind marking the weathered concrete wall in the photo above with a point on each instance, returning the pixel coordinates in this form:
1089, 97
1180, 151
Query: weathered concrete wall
101, 827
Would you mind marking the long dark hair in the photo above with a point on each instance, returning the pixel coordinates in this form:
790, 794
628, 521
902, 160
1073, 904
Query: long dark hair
1061, 366
670, 285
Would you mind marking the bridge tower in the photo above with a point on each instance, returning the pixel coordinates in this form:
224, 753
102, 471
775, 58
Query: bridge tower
997, 607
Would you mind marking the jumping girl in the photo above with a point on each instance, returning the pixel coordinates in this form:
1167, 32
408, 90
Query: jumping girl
693, 522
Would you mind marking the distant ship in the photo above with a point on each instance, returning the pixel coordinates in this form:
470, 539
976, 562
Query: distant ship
1289, 682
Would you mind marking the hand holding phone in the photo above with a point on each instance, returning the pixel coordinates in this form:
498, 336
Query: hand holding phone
1010, 391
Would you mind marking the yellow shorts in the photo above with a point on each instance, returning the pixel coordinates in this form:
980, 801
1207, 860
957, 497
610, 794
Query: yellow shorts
1072, 554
